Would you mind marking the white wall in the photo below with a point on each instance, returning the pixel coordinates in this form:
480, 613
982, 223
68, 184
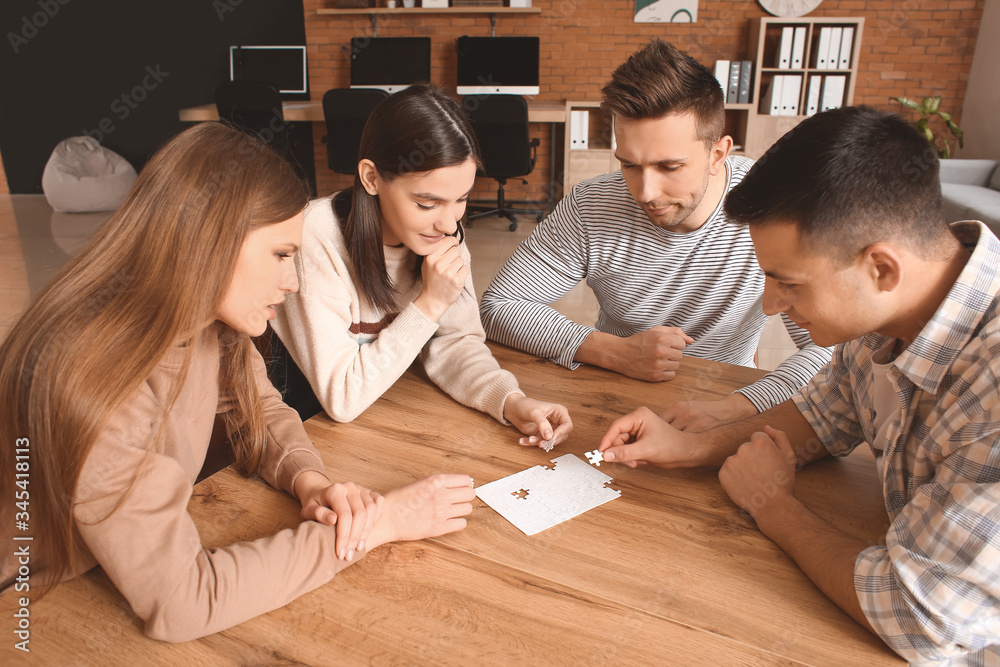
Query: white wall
981, 112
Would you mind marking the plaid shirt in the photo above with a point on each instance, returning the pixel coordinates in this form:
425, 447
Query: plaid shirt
933, 591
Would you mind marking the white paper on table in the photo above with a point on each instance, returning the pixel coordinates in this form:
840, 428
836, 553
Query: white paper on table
552, 495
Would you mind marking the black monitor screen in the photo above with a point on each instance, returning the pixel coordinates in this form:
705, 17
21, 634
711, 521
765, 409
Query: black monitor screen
385, 61
497, 61
284, 67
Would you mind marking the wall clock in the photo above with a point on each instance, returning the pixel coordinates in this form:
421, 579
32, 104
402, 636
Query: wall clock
789, 7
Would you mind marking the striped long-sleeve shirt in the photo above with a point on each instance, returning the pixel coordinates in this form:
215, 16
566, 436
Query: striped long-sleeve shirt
707, 282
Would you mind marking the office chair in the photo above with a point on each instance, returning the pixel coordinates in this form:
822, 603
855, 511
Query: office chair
501, 126
346, 110
255, 108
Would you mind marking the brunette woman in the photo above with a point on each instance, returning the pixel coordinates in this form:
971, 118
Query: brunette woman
385, 277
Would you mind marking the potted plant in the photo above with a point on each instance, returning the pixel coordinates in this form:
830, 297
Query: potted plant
932, 122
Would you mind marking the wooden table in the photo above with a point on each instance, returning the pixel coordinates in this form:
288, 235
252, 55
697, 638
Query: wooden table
669, 573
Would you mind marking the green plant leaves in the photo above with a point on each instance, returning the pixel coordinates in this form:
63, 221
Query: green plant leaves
907, 102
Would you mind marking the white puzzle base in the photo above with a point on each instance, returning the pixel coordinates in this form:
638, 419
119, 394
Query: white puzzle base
539, 497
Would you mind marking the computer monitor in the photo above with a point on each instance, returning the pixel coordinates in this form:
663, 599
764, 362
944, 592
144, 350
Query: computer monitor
497, 65
284, 67
390, 63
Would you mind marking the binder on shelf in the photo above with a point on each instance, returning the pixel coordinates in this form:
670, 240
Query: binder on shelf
833, 91
733, 91
833, 57
771, 102
579, 129
785, 47
799, 48
722, 74
746, 67
823, 49
790, 89
846, 46
813, 93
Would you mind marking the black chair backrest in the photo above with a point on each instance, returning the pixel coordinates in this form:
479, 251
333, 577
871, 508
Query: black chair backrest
346, 110
253, 107
501, 126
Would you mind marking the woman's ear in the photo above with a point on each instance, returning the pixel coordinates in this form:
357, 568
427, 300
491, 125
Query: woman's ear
368, 174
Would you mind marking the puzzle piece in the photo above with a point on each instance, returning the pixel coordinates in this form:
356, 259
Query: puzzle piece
549, 444
551, 495
595, 457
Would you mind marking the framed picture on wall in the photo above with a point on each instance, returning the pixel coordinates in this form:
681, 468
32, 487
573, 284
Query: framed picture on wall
666, 11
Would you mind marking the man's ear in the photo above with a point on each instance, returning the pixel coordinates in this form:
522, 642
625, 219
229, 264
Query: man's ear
368, 174
718, 153
884, 265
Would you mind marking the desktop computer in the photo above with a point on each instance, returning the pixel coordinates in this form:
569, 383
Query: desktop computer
390, 63
284, 67
497, 65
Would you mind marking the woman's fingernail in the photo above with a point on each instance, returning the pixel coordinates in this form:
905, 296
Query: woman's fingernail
361, 545
609, 456
350, 554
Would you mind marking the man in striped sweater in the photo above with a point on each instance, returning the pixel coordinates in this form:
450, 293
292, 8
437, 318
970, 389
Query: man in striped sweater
672, 275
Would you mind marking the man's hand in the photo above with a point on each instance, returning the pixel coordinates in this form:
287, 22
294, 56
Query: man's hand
761, 474
699, 416
653, 355
642, 437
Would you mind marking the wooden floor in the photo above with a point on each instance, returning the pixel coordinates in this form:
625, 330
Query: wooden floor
36, 241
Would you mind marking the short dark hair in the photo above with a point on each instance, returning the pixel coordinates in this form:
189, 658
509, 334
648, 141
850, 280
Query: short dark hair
847, 178
659, 80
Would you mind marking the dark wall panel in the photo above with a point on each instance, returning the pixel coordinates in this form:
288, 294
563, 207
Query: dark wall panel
119, 70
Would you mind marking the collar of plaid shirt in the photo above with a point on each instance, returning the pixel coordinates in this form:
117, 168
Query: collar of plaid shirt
959, 317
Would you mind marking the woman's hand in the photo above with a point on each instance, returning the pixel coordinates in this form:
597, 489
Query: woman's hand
429, 507
352, 508
444, 273
538, 420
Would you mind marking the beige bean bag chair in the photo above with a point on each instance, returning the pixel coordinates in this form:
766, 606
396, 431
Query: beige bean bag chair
82, 175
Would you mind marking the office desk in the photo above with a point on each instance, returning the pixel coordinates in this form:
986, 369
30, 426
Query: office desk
552, 113
312, 111
669, 573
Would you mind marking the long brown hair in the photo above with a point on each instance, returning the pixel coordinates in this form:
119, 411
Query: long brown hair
418, 129
153, 277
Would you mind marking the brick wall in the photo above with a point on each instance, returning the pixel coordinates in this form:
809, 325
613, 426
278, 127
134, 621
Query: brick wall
911, 48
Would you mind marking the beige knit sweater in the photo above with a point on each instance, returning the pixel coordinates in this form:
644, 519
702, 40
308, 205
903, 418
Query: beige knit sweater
145, 539
351, 352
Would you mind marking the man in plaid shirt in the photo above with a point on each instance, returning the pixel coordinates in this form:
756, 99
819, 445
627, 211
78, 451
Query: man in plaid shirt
845, 215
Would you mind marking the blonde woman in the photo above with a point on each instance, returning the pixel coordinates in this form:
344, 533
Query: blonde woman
111, 381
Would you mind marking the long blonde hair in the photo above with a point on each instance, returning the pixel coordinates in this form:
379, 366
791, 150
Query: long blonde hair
153, 276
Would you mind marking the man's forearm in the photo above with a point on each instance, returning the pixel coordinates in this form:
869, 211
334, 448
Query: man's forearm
597, 349
721, 442
825, 553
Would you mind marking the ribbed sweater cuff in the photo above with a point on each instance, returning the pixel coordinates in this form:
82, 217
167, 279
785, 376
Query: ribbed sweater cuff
293, 464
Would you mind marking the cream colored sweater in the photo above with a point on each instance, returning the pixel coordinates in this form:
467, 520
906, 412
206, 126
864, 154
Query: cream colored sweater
148, 544
352, 352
